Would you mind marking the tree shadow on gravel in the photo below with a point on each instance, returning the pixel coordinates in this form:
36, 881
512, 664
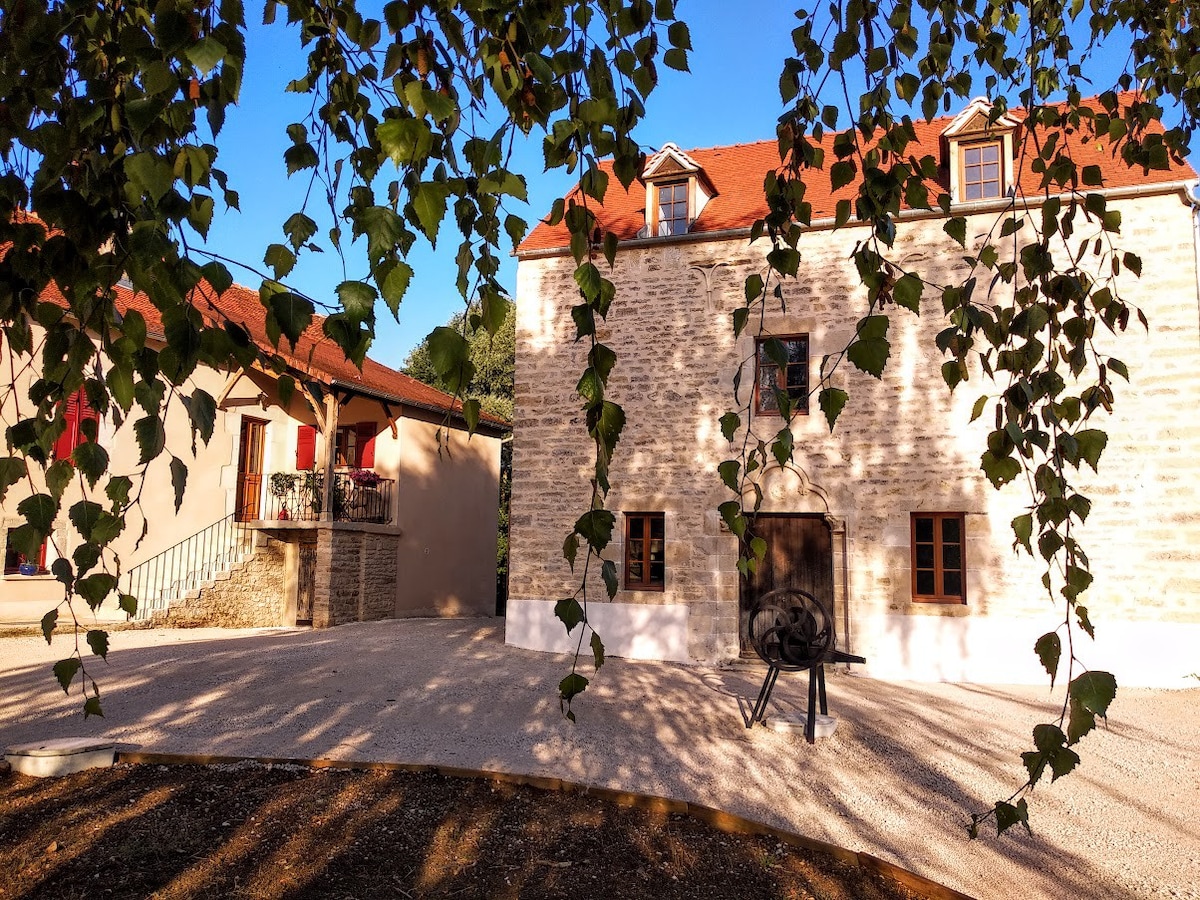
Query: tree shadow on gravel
898, 779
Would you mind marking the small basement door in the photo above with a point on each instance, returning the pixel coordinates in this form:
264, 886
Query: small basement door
799, 555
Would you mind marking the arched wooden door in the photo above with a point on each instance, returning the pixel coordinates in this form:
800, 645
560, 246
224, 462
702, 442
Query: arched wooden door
799, 555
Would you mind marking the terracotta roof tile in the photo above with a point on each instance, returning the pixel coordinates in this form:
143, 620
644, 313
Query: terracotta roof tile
737, 171
315, 354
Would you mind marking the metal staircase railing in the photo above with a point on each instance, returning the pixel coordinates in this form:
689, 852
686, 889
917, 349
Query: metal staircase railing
187, 565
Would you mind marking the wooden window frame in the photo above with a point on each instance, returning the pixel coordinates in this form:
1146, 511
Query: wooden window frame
659, 187
800, 404
962, 170
939, 595
645, 584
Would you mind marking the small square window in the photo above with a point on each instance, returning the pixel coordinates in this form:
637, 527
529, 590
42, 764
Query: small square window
645, 551
938, 557
790, 380
982, 178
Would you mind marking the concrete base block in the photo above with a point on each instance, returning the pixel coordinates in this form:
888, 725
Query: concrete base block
793, 723
61, 756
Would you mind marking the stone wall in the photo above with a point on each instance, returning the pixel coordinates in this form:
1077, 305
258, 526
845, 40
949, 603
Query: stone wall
356, 576
903, 444
251, 595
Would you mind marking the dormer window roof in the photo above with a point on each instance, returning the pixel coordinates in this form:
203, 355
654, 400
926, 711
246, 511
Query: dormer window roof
978, 148
677, 190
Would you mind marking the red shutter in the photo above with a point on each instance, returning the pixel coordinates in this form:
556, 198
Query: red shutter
70, 437
306, 447
366, 444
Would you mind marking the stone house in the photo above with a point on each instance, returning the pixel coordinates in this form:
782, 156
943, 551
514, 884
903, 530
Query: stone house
361, 496
889, 518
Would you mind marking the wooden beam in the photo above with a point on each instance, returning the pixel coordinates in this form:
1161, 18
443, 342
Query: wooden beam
318, 412
234, 377
331, 420
391, 419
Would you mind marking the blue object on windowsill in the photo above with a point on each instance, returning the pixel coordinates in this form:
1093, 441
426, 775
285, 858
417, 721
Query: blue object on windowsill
27, 569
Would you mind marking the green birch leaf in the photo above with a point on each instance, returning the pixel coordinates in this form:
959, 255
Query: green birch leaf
59, 475
597, 650
1091, 443
151, 438
1089, 696
39, 511
64, 671
128, 604
571, 549
569, 612
596, 527
98, 641
571, 686
730, 471
358, 300
1049, 651
609, 573
1008, 815
395, 284
730, 423
429, 204
907, 292
470, 410
12, 470
91, 707
832, 401
95, 588
49, 623
92, 461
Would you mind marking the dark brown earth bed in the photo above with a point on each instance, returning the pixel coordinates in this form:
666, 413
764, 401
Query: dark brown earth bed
256, 831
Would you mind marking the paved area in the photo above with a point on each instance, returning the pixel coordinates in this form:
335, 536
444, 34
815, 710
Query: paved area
907, 765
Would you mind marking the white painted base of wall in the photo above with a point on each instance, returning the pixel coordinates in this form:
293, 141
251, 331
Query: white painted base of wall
631, 630
988, 650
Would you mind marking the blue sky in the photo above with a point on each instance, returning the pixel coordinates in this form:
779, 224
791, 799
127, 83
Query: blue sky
730, 96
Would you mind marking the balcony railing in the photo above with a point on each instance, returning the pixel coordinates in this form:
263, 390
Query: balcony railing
358, 496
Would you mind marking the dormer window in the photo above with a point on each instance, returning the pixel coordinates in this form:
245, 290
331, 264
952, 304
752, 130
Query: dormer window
978, 149
982, 178
677, 190
673, 209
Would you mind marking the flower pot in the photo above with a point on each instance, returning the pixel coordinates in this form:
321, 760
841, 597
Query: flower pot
283, 513
27, 569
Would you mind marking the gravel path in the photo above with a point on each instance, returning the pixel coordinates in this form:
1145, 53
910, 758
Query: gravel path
907, 765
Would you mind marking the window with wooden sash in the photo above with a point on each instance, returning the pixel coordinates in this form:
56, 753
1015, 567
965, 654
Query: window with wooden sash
645, 551
76, 412
982, 177
939, 557
14, 559
673, 209
790, 378
354, 446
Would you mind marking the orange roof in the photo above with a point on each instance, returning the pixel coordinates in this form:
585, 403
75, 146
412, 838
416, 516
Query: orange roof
314, 355
737, 172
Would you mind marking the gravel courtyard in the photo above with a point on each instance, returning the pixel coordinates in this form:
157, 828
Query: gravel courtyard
906, 767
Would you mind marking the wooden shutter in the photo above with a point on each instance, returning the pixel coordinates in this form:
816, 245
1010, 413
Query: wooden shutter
365, 444
306, 447
68, 440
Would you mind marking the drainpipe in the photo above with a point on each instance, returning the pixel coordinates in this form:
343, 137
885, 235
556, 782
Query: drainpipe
1192, 194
